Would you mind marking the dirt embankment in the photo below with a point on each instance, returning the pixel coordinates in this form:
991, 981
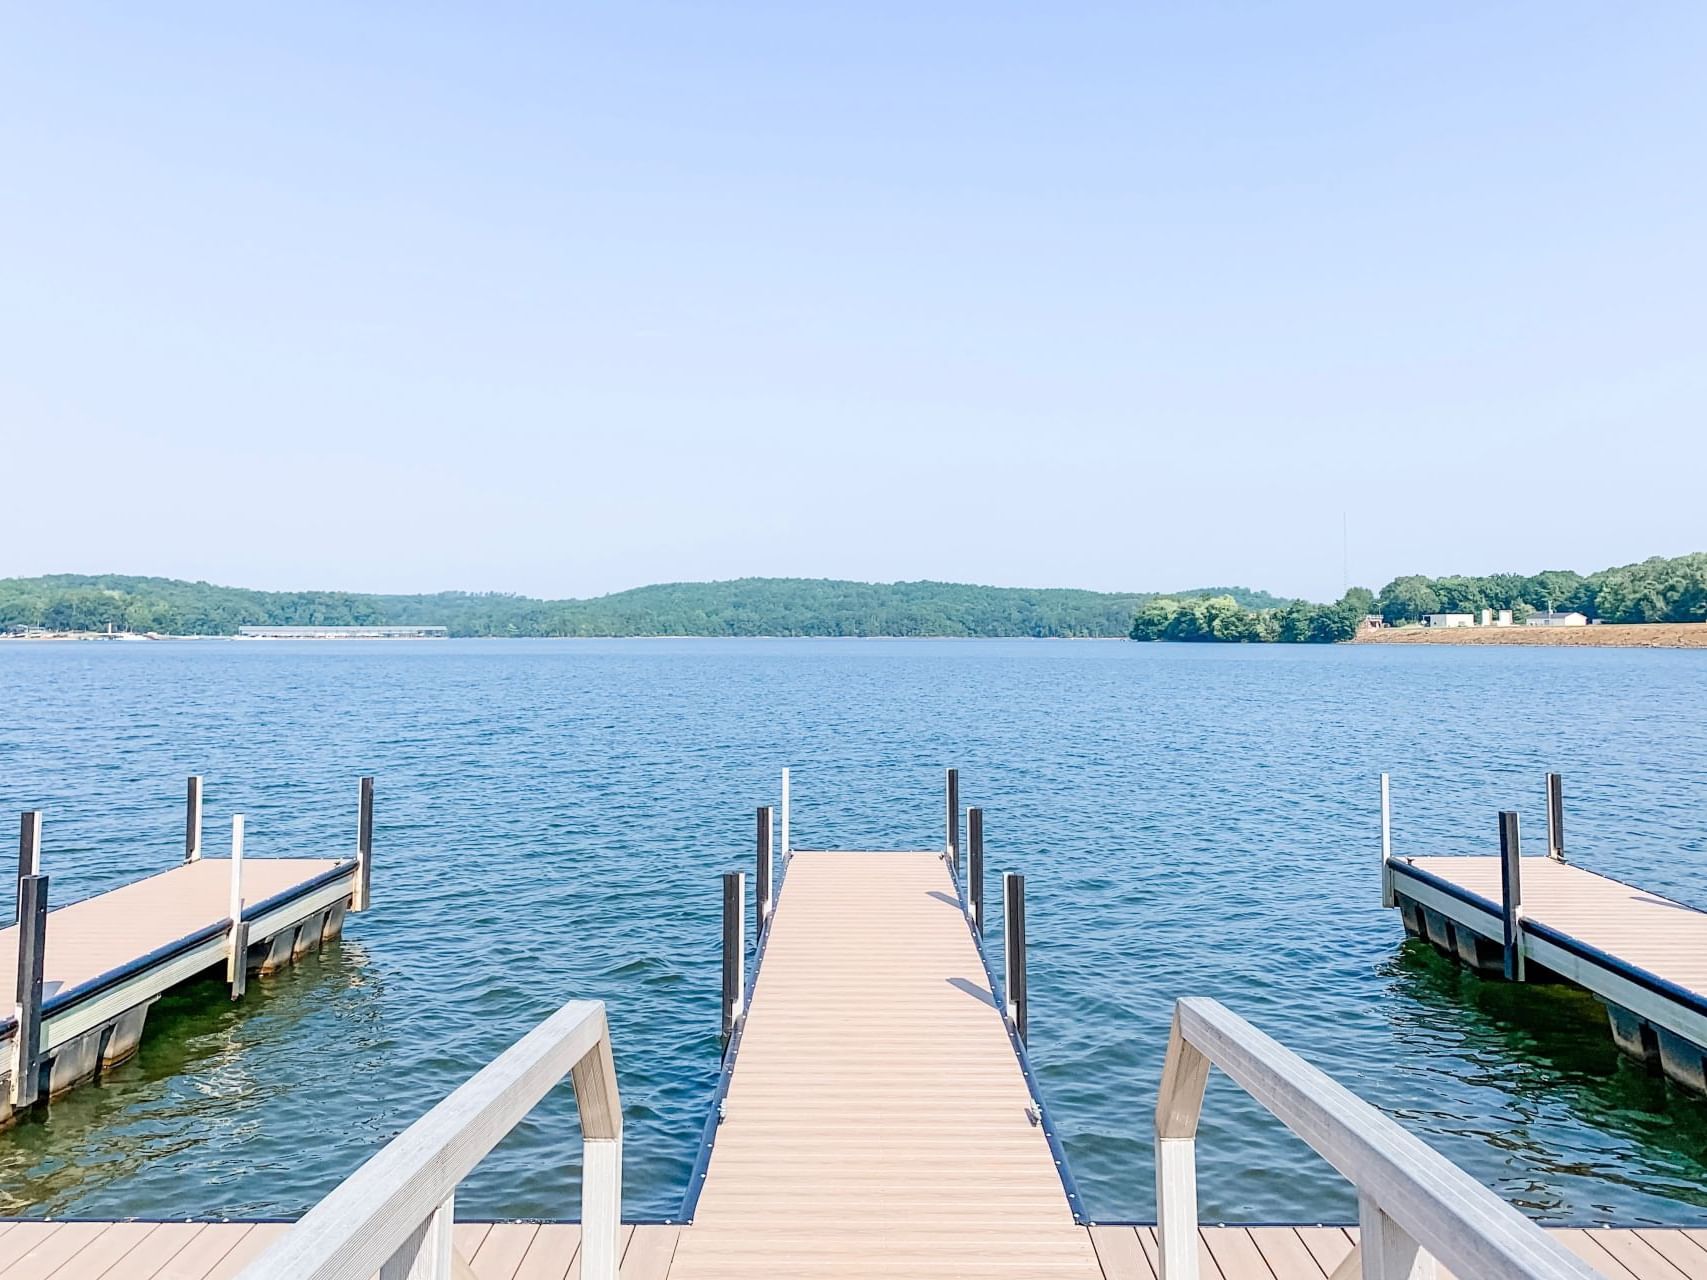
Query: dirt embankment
1649, 635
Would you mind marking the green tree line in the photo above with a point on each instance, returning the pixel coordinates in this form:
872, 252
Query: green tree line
746, 607
1656, 590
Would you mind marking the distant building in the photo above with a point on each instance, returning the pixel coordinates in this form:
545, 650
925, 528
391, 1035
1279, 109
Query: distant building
1373, 622
1556, 619
344, 633
1495, 618
1449, 620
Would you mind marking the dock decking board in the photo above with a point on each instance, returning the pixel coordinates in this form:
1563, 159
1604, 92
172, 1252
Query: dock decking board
875, 1083
550, 1251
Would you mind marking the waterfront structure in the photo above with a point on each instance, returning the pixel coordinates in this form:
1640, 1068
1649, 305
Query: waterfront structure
1555, 618
344, 633
1643, 955
1449, 620
876, 1115
85, 975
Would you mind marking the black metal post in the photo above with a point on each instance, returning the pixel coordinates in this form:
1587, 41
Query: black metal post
29, 851
975, 867
734, 949
951, 819
1511, 894
1013, 948
364, 847
762, 879
193, 819
1555, 817
32, 951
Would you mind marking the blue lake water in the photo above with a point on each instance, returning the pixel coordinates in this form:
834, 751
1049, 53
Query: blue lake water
553, 816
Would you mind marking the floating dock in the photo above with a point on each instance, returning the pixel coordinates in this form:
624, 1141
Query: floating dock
1539, 917
86, 974
876, 1116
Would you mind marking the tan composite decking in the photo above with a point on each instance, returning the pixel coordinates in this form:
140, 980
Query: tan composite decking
877, 1121
529, 1251
97, 935
1665, 938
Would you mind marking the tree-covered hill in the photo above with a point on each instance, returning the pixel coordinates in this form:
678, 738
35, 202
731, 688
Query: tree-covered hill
745, 607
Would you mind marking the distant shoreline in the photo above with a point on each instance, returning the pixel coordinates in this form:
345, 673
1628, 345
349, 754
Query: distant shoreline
1646, 635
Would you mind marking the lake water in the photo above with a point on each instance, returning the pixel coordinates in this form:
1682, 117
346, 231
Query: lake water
553, 816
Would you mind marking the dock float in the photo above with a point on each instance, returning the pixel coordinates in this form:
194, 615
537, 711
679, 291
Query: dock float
876, 1116
85, 975
1539, 918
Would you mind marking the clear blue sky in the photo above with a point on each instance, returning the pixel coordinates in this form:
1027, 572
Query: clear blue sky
567, 298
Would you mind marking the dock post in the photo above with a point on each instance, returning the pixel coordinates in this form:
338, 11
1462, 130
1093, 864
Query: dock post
1555, 817
786, 847
734, 950
975, 868
364, 846
237, 954
951, 820
32, 952
763, 896
193, 819
1387, 898
29, 852
1511, 894
1013, 949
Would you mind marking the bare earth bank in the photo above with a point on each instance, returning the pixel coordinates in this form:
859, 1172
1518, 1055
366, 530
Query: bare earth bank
1648, 635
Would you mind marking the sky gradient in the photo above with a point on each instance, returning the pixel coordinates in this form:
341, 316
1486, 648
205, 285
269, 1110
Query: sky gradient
567, 299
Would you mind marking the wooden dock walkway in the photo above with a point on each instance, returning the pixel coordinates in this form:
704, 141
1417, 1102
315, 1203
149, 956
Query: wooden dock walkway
875, 1083
84, 975
649, 1251
1533, 917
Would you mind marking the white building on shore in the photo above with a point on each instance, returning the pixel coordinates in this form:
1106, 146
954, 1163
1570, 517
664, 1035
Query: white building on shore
1555, 618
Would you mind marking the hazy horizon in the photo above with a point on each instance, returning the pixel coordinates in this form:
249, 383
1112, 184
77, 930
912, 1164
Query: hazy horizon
562, 303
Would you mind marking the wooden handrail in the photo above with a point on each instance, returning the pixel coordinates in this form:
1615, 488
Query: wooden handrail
1414, 1205
393, 1215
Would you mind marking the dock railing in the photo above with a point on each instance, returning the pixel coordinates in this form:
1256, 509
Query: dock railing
393, 1215
1415, 1207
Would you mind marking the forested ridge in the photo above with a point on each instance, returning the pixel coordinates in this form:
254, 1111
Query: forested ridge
744, 607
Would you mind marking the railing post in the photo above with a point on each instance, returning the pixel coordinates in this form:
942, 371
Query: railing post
193, 819
1179, 1102
427, 1254
1555, 817
762, 892
734, 949
29, 852
1013, 949
32, 951
1387, 1252
786, 846
1511, 894
364, 847
951, 819
601, 1155
975, 867
1387, 898
237, 954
